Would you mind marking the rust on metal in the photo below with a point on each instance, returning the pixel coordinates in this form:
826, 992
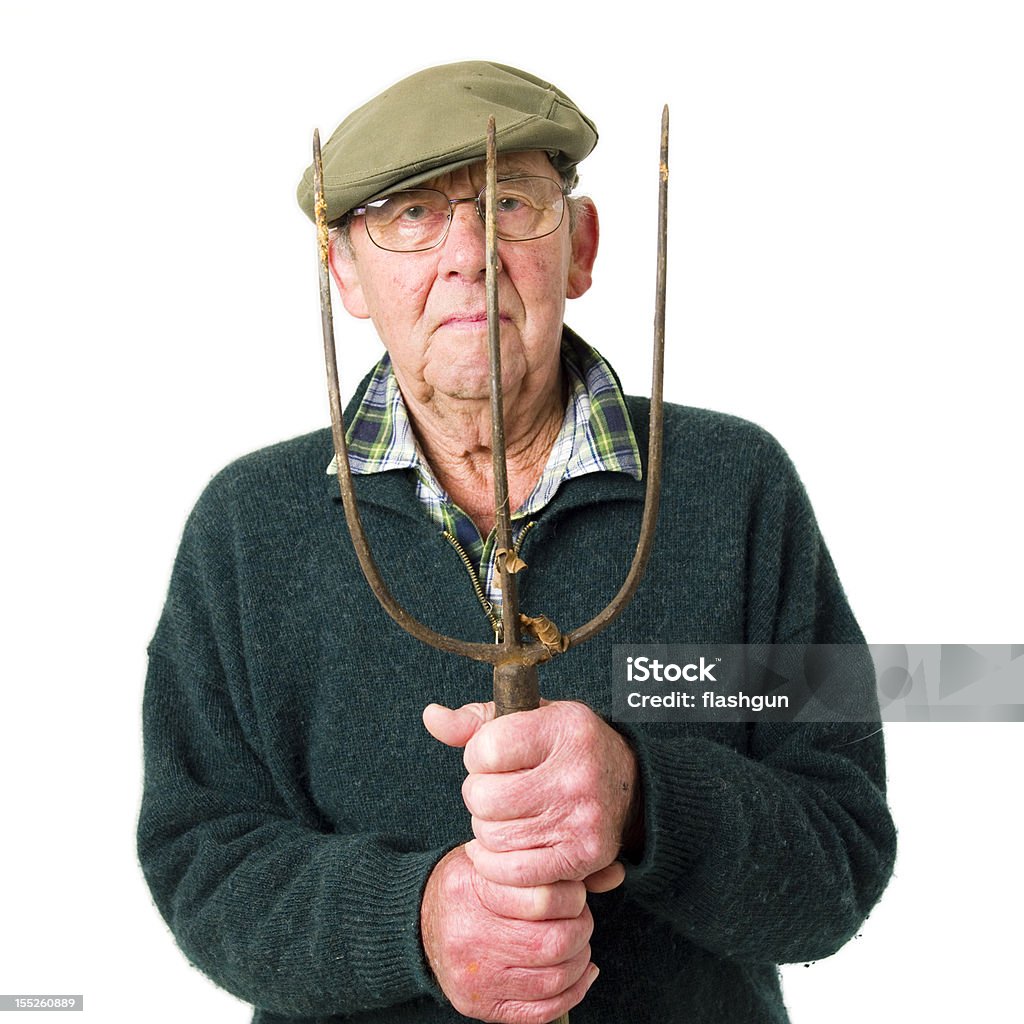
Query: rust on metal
516, 687
509, 559
541, 628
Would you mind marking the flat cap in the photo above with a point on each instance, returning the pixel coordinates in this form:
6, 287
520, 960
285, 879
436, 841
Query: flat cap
435, 121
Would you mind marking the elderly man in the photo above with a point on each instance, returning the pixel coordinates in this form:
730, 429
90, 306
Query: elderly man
312, 848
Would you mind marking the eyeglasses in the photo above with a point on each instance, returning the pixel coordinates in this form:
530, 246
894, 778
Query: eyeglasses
416, 219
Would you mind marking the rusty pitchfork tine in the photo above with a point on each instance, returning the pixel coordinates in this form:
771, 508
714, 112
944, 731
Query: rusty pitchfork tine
480, 652
511, 653
516, 686
655, 434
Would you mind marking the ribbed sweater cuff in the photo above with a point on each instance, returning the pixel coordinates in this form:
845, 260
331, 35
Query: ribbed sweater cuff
681, 795
383, 924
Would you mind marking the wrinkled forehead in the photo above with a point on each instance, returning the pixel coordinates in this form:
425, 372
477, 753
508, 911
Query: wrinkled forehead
510, 165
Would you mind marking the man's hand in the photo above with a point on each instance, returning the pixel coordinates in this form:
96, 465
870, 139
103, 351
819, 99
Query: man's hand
550, 792
506, 954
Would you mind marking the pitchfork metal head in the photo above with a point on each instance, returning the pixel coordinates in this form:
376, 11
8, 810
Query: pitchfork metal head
514, 661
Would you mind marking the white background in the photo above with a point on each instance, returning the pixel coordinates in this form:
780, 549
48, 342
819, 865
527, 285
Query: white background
845, 268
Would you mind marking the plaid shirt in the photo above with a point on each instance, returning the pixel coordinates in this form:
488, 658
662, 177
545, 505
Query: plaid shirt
596, 437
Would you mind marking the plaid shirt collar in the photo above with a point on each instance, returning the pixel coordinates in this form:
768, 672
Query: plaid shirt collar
596, 437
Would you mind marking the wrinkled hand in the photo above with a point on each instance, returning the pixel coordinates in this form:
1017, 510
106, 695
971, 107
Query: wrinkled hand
506, 954
550, 792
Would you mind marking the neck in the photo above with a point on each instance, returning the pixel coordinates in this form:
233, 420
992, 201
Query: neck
455, 436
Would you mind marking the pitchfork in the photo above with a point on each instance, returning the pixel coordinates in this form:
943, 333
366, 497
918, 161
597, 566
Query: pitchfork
516, 686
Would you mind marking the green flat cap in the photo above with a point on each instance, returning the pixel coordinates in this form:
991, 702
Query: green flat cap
435, 121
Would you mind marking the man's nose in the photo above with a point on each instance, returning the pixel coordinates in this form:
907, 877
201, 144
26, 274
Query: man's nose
464, 250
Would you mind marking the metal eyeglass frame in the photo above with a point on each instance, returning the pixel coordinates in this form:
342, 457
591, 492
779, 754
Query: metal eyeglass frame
478, 200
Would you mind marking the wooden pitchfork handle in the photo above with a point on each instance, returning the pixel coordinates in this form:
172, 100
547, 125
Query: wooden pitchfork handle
516, 686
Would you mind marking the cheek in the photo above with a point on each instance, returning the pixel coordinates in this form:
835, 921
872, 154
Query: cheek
544, 292
531, 266
398, 298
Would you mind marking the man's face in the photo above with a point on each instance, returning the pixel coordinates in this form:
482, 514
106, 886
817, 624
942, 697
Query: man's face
430, 308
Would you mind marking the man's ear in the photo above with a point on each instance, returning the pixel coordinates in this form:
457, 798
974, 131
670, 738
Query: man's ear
346, 277
584, 239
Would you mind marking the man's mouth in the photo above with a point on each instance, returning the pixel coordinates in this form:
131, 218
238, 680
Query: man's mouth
471, 319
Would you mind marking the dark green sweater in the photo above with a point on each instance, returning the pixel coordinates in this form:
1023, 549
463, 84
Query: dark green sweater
294, 805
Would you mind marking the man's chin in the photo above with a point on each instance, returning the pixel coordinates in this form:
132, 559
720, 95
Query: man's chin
470, 381
465, 390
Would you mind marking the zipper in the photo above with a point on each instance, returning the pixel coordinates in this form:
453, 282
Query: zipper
478, 589
474, 576
522, 536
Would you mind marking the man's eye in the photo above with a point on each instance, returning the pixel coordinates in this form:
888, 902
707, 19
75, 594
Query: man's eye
405, 210
413, 213
509, 204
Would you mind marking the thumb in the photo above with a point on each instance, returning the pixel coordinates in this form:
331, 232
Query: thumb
456, 727
607, 878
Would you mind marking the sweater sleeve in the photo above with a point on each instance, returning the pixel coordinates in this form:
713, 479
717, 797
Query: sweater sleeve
775, 852
281, 911
776, 855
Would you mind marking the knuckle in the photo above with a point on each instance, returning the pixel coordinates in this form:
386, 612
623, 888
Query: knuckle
586, 921
498, 838
579, 718
488, 895
567, 864
485, 750
558, 900
566, 974
453, 884
469, 793
519, 870
515, 1011
577, 899
545, 983
589, 817
485, 712
556, 944
592, 848
573, 936
542, 901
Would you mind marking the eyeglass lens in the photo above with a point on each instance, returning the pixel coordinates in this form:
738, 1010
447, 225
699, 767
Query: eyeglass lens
416, 219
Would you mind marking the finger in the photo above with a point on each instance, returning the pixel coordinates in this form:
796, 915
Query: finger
538, 832
562, 939
543, 982
542, 866
456, 727
607, 878
532, 902
541, 1010
503, 796
545, 943
510, 743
